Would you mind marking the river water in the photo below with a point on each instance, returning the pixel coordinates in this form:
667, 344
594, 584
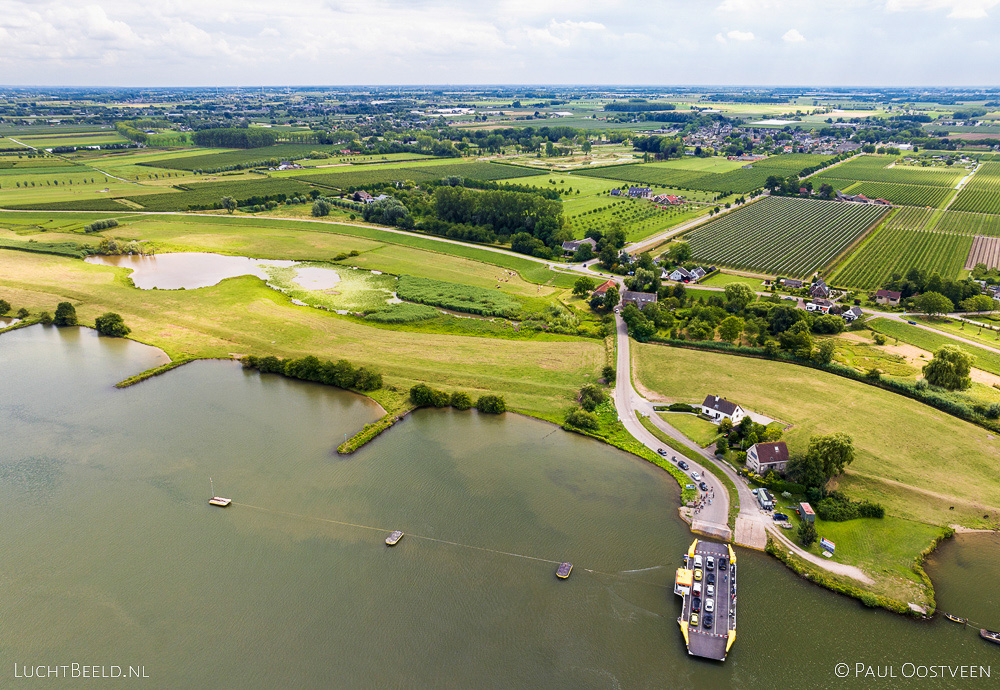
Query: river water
112, 556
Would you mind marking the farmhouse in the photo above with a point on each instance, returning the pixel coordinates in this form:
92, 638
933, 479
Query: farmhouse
852, 314
719, 408
823, 305
887, 297
362, 196
639, 299
616, 192
819, 289
792, 283
603, 287
572, 245
681, 273
764, 457
639, 192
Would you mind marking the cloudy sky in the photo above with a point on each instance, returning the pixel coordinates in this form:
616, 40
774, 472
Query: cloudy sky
658, 42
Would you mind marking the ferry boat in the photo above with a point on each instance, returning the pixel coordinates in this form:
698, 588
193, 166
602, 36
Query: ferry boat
712, 633
989, 635
394, 538
564, 570
218, 500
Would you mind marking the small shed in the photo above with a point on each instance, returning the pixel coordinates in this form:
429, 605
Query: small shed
807, 513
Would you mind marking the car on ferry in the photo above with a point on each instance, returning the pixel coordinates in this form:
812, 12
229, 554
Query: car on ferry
694, 620
697, 574
710, 590
708, 621
710, 562
710, 578
709, 605
696, 604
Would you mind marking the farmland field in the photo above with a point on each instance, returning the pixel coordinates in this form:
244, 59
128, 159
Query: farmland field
982, 193
362, 176
638, 217
892, 250
985, 250
245, 157
687, 176
787, 236
903, 194
969, 223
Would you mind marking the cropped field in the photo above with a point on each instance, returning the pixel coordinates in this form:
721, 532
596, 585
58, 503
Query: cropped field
969, 223
780, 235
457, 297
986, 360
984, 250
902, 194
245, 157
638, 217
685, 176
362, 176
896, 250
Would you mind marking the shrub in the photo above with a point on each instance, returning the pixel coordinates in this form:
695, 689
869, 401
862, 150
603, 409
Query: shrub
879, 339
321, 207
45, 318
4, 307
491, 404
582, 419
461, 401
65, 314
591, 396
112, 325
680, 407
807, 534
608, 373
101, 225
23, 313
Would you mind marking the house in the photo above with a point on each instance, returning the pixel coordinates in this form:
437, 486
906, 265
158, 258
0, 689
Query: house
792, 283
616, 192
764, 457
697, 273
887, 297
852, 314
639, 299
681, 273
822, 305
604, 287
639, 192
362, 196
572, 245
819, 289
719, 408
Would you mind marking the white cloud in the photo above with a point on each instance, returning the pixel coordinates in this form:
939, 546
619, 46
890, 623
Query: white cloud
739, 35
959, 9
793, 36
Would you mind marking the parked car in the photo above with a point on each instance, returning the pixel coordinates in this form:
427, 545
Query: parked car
913, 323
722, 563
694, 620
710, 578
709, 621
710, 590
697, 574
695, 603
709, 605
710, 562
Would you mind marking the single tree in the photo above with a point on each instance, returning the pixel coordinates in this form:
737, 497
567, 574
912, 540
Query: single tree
4, 307
739, 295
949, 368
932, 303
229, 203
65, 314
807, 534
112, 324
584, 285
731, 328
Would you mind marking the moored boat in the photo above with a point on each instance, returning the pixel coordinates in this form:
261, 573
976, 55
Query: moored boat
394, 538
989, 635
564, 570
954, 619
218, 500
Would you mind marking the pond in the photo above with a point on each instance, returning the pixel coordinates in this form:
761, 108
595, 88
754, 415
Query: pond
190, 270
112, 554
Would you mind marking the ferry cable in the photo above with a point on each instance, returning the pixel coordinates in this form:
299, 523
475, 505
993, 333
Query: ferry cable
440, 541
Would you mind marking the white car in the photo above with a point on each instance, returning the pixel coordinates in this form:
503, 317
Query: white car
710, 590
709, 605
695, 476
